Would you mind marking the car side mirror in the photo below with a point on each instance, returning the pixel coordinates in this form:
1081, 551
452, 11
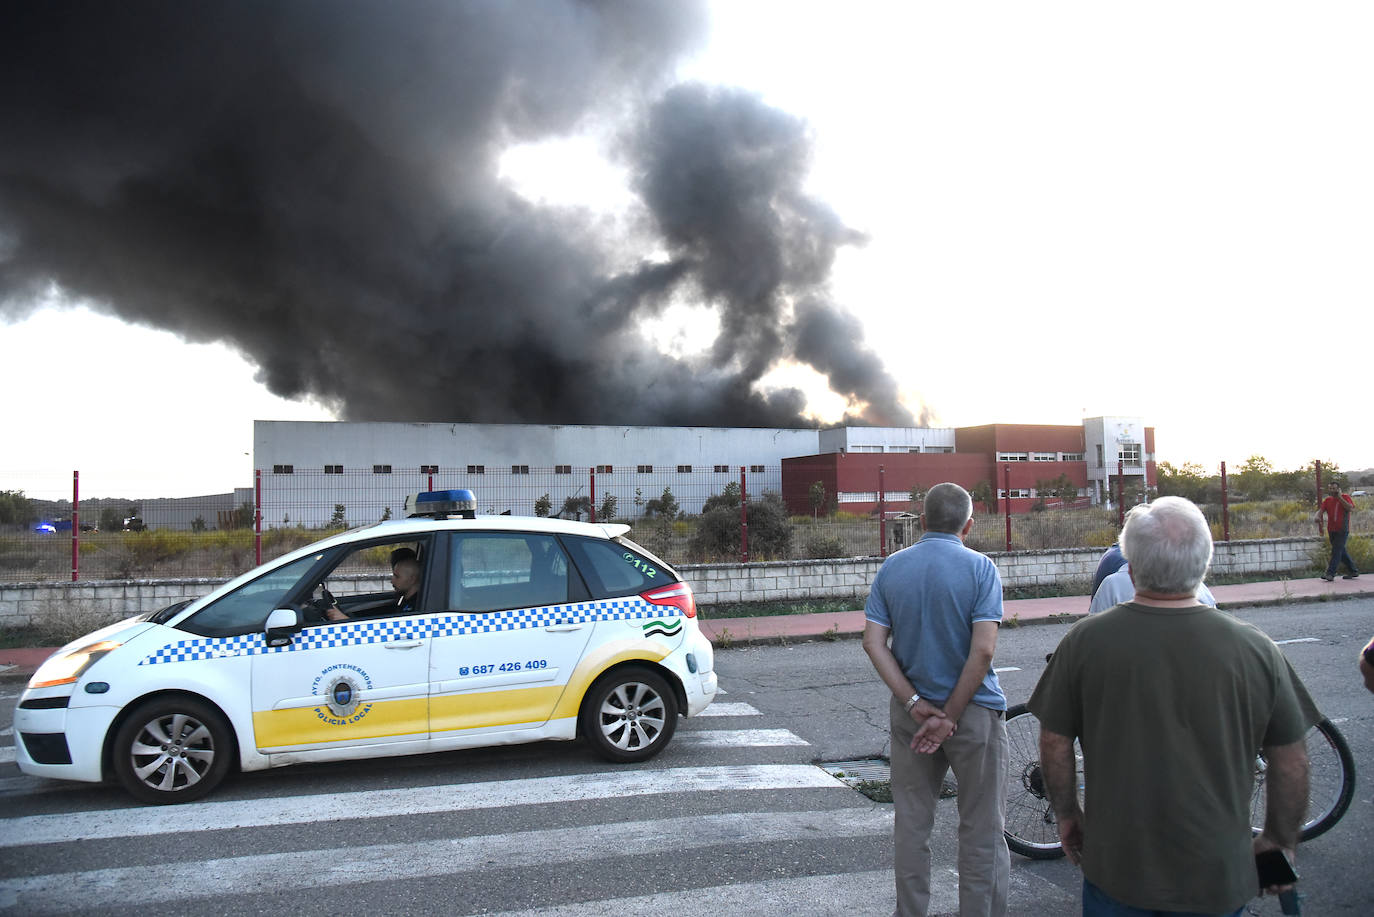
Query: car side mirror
282, 624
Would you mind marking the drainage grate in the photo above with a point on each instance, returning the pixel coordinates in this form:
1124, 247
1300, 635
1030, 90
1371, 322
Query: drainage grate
862, 770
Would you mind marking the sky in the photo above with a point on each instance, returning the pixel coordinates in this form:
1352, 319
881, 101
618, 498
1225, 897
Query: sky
1060, 210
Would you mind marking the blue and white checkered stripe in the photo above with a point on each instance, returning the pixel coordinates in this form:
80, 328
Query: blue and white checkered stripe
390, 630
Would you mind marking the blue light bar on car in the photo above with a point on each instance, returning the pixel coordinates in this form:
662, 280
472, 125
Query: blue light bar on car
441, 503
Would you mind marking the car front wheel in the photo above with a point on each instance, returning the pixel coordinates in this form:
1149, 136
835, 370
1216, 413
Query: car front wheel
172, 750
629, 715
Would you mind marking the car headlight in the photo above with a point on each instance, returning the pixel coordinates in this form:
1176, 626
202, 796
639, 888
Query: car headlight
65, 668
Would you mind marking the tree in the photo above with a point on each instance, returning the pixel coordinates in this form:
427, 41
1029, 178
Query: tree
386, 514
15, 508
606, 511
543, 506
336, 521
983, 493
1061, 488
111, 520
1253, 478
815, 495
718, 531
728, 498
917, 495
664, 506
576, 507
198, 524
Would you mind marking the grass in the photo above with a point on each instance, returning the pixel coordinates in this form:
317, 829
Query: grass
770, 609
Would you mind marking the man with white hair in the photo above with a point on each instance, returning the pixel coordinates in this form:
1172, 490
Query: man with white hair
1170, 700
940, 605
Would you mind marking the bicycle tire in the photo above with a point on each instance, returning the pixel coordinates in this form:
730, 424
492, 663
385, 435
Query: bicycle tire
1030, 827
1331, 782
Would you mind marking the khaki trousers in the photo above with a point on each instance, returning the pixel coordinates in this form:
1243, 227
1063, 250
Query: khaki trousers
977, 753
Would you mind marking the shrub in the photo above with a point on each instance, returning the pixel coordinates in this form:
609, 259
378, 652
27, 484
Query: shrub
822, 547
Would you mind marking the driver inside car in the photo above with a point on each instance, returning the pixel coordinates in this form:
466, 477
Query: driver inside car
405, 579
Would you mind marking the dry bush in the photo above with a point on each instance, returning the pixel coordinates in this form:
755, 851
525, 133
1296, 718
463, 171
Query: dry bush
59, 622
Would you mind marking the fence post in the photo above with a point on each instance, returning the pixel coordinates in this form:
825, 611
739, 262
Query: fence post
1120, 494
591, 511
1006, 489
743, 519
882, 512
76, 525
1225, 507
257, 516
430, 485
1318, 466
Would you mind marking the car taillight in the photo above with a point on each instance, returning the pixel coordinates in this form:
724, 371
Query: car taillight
679, 595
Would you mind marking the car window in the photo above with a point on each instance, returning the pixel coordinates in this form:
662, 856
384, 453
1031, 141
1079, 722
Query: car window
491, 571
614, 569
245, 610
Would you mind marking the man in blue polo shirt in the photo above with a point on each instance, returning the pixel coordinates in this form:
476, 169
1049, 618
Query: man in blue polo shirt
939, 604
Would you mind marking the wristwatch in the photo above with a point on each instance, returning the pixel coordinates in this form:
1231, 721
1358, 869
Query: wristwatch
915, 698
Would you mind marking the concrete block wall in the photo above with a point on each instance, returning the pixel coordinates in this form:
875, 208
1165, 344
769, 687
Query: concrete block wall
714, 584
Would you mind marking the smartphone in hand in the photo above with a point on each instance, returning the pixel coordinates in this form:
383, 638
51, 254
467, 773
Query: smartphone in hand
1274, 868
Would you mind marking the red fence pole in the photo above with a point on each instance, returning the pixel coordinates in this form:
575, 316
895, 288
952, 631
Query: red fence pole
1318, 466
743, 519
430, 485
591, 476
76, 525
1006, 488
882, 512
257, 516
1120, 495
1225, 507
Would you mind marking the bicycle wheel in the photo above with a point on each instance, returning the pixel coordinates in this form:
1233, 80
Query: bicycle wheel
1030, 827
1331, 784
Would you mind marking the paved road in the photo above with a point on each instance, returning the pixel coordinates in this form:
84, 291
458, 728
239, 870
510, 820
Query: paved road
734, 818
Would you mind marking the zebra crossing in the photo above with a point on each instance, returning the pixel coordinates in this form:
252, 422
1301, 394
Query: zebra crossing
557, 840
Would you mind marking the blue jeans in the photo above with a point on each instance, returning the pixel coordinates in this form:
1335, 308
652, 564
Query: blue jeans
1097, 903
1339, 555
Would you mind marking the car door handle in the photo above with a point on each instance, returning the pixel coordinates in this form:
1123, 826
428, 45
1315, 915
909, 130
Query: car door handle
404, 644
562, 628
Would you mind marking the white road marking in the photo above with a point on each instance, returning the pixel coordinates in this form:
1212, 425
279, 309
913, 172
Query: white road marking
1007, 668
739, 738
220, 878
7, 754
209, 816
729, 710
7, 731
1298, 640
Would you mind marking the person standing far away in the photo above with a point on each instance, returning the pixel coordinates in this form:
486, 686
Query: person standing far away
1337, 508
1170, 700
930, 631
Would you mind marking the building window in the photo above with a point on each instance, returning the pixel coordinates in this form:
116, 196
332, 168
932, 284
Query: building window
1013, 457
1099, 455
520, 469
645, 469
605, 469
684, 469
429, 469
1016, 492
942, 450
722, 469
1044, 456
477, 469
333, 469
562, 469
1130, 454
865, 448
1071, 457
283, 469
381, 469
756, 469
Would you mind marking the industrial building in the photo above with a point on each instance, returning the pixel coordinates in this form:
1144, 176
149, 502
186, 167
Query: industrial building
309, 469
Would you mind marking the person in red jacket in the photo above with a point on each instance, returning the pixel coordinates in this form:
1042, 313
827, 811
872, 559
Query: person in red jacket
1337, 508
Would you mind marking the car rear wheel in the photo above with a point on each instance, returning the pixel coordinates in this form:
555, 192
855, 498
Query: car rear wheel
629, 715
172, 749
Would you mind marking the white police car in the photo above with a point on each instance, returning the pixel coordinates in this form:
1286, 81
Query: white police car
522, 630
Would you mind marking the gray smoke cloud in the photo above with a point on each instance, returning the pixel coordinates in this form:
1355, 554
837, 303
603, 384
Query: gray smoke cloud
316, 183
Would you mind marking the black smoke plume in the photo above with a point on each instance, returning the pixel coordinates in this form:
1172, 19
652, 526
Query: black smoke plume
316, 183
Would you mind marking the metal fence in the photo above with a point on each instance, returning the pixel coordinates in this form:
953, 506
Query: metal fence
225, 534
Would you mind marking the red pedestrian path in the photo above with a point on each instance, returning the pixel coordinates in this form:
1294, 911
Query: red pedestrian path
19, 664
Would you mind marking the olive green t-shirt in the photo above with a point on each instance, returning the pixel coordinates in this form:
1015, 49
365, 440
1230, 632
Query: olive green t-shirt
1170, 706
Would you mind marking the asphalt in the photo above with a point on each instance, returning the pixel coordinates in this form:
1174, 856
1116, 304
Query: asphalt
16, 665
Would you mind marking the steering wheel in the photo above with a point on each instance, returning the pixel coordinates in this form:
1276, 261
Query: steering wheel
314, 610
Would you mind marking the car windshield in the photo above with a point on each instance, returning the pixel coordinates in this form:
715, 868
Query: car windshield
246, 608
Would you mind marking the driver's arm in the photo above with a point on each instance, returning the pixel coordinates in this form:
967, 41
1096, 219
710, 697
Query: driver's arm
333, 613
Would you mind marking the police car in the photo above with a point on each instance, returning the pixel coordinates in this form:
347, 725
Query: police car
522, 630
